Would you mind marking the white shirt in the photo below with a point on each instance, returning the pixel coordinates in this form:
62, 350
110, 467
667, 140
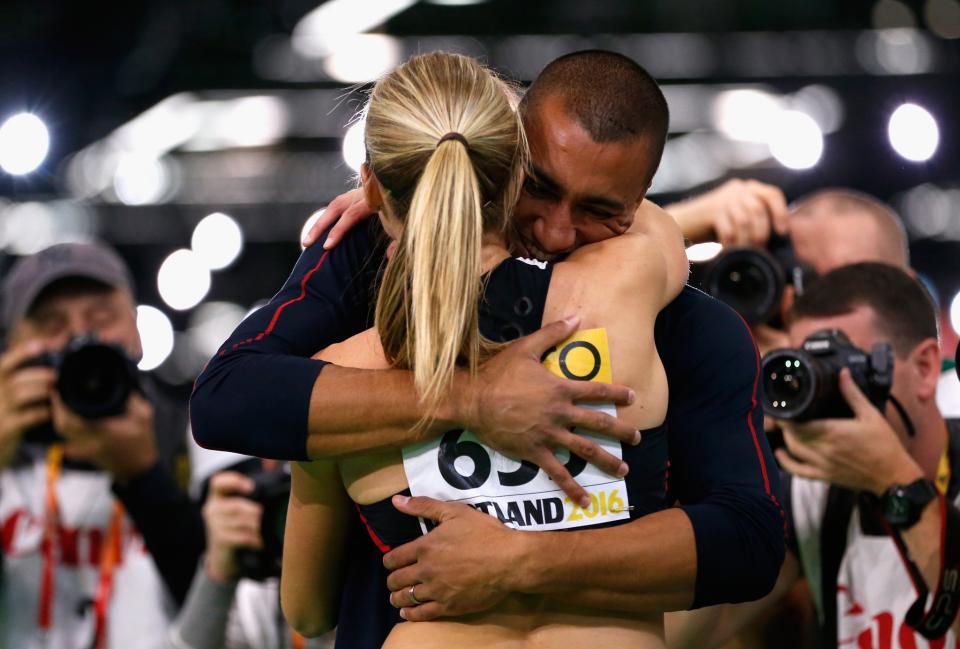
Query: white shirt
874, 590
140, 608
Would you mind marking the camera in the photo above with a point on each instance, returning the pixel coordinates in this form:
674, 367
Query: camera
803, 384
272, 492
94, 380
752, 280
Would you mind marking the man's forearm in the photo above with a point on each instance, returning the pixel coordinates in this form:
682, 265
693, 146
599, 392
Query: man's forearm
648, 565
359, 411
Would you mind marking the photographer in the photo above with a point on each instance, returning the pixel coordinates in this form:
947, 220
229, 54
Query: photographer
224, 610
871, 490
77, 491
820, 232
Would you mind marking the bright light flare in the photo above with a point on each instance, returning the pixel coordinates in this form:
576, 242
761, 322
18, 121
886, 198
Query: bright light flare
354, 148
317, 33
309, 223
140, 179
24, 143
156, 336
913, 133
745, 114
356, 58
796, 140
701, 252
183, 280
217, 240
955, 313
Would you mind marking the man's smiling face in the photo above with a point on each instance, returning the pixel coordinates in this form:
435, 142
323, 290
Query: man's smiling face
577, 191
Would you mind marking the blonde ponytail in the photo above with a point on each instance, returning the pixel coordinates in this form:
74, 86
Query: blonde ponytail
446, 145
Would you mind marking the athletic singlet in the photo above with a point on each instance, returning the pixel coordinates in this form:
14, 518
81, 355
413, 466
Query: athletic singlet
514, 299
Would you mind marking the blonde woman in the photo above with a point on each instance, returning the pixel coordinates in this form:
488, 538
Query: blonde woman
445, 156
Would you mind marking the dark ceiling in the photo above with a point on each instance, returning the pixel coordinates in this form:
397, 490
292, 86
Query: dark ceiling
90, 66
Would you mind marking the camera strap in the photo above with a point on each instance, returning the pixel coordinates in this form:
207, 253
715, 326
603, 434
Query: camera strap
908, 423
110, 552
935, 621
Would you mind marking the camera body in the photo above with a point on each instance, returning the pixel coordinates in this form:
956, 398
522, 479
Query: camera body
752, 280
803, 384
272, 492
94, 380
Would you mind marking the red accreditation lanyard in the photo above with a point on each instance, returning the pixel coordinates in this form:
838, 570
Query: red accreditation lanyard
110, 553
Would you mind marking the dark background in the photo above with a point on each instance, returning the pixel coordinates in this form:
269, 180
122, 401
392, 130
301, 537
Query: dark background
88, 68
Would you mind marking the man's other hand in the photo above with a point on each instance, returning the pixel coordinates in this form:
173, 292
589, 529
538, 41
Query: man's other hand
24, 396
518, 407
343, 212
862, 453
124, 446
737, 213
446, 585
232, 522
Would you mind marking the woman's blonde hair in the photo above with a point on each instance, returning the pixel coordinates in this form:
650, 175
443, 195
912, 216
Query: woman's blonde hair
446, 193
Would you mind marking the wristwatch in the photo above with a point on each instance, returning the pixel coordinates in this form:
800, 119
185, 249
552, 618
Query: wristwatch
902, 504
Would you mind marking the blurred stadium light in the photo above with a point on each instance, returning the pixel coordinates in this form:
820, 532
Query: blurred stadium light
913, 132
24, 143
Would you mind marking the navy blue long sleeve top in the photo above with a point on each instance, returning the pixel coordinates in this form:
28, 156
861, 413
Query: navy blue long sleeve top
253, 398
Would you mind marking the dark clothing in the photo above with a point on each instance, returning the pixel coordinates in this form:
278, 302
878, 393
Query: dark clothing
157, 500
721, 468
514, 300
262, 377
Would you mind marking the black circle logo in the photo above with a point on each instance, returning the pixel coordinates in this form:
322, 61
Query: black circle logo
590, 348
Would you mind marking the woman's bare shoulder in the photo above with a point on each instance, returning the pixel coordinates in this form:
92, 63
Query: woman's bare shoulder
362, 351
650, 255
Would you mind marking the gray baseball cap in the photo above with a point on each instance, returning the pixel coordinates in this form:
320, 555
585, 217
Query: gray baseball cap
31, 274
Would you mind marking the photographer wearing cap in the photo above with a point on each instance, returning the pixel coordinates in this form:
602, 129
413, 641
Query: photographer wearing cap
87, 453
234, 601
871, 502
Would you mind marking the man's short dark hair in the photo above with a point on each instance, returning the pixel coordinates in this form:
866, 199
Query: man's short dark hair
902, 307
611, 96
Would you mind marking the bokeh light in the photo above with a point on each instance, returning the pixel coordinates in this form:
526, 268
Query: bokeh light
183, 280
913, 132
217, 240
156, 336
24, 143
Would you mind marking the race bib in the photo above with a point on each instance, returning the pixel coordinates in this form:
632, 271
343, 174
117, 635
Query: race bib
458, 467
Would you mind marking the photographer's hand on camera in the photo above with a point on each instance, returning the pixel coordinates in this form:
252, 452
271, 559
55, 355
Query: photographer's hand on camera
232, 522
862, 453
737, 213
24, 396
124, 446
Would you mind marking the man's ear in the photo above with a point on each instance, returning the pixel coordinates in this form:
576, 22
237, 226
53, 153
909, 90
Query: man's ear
925, 364
372, 191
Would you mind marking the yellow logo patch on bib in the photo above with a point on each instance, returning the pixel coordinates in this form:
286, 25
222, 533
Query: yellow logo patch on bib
458, 467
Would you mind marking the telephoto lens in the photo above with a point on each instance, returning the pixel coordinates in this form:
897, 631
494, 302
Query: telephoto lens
749, 280
803, 384
95, 379
752, 280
